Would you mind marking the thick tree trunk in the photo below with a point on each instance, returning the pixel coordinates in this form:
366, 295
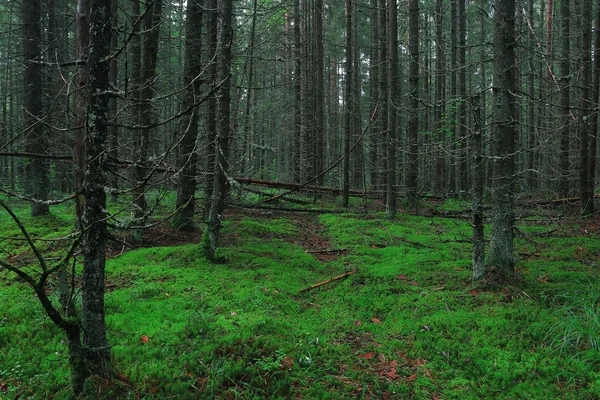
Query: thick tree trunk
297, 131
97, 349
82, 40
113, 131
501, 247
319, 92
413, 103
37, 179
188, 128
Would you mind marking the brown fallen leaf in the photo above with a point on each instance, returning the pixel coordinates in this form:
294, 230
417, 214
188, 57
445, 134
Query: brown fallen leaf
358, 323
375, 320
367, 356
403, 277
145, 339
412, 377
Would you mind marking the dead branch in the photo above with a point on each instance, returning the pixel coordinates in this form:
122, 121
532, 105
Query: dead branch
337, 278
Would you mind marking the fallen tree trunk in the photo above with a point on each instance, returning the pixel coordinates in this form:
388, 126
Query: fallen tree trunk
299, 186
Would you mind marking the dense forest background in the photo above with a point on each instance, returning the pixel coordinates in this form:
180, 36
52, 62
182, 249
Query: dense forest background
126, 108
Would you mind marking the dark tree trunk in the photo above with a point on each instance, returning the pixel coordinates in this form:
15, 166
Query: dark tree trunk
82, 40
188, 128
221, 166
587, 193
440, 79
461, 131
349, 97
413, 103
320, 92
501, 247
37, 179
594, 119
478, 170
97, 349
149, 54
393, 104
211, 118
565, 101
113, 131
297, 132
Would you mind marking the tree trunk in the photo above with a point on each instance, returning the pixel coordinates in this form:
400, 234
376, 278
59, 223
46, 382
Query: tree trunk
188, 128
113, 131
440, 80
501, 247
97, 349
37, 179
565, 102
393, 104
319, 92
221, 166
211, 118
149, 54
587, 104
413, 103
82, 41
349, 97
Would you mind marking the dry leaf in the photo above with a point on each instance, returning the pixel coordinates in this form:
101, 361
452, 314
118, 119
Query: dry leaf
375, 320
358, 323
367, 356
403, 277
145, 339
412, 377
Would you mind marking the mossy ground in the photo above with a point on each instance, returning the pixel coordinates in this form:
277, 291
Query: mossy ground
407, 324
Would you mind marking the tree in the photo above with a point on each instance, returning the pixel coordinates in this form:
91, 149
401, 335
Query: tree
188, 126
392, 104
94, 226
500, 254
413, 101
37, 182
221, 166
565, 99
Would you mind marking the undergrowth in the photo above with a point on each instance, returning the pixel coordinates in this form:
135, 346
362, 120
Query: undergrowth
407, 324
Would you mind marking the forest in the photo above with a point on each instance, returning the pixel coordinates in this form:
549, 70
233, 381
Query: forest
299, 199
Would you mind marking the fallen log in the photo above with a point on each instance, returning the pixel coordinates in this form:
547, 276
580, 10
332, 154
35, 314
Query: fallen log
299, 186
337, 278
251, 207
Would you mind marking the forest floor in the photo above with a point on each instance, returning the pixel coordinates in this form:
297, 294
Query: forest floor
408, 323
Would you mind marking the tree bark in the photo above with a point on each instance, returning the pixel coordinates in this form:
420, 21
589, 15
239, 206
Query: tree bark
586, 190
37, 175
188, 128
221, 166
349, 97
565, 101
501, 246
82, 41
97, 349
413, 103
392, 103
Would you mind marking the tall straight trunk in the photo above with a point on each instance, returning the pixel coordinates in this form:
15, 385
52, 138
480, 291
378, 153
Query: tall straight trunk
374, 77
82, 40
453, 123
594, 119
393, 103
349, 97
565, 101
188, 128
113, 131
413, 103
97, 349
149, 54
297, 132
531, 109
382, 126
211, 118
248, 123
461, 131
319, 92
587, 194
440, 79
37, 180
477, 175
504, 134
221, 166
